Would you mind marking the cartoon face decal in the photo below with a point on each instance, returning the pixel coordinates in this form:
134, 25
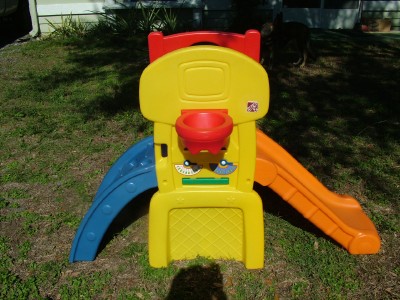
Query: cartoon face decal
223, 168
188, 168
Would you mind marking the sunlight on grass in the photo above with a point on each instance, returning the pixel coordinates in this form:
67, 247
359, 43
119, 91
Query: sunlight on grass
317, 263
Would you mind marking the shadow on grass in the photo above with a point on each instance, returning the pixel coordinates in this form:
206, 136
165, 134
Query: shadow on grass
123, 60
133, 211
340, 114
198, 282
357, 83
273, 204
107, 67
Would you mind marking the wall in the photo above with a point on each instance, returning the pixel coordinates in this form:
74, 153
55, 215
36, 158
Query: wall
52, 10
218, 14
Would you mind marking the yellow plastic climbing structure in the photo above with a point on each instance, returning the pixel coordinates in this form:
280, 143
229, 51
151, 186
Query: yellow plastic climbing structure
204, 111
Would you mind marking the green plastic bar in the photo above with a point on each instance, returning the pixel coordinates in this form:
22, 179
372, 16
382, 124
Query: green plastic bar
205, 181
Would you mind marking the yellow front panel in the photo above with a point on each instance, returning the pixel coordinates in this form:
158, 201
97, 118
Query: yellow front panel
210, 232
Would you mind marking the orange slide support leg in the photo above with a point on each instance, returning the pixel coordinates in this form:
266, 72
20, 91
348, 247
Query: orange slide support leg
338, 216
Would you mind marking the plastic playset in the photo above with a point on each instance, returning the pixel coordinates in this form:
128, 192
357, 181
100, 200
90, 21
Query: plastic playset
206, 154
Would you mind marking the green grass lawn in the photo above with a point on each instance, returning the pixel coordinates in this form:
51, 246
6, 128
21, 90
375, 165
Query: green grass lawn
69, 109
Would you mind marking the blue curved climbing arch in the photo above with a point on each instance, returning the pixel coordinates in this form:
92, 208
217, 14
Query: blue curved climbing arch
132, 174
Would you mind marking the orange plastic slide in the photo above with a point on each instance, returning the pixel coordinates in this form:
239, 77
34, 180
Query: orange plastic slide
339, 216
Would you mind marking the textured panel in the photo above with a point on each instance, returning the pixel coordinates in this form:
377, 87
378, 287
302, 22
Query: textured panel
209, 232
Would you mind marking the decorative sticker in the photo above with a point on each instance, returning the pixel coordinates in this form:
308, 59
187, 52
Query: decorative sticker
188, 168
223, 168
252, 106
